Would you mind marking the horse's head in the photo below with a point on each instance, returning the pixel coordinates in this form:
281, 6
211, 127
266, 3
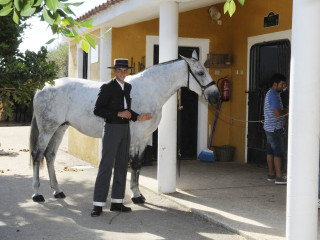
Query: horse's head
200, 81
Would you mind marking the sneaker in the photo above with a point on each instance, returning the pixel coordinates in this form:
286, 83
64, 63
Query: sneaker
281, 181
271, 178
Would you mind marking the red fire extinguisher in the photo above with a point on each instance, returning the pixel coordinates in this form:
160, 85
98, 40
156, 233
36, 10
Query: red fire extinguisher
224, 89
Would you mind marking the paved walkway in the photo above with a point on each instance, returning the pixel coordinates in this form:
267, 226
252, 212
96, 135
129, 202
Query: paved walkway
234, 195
69, 218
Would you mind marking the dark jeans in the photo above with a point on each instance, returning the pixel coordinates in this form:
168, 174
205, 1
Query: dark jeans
275, 143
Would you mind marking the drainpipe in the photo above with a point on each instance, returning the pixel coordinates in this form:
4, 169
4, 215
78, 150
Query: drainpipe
304, 122
167, 130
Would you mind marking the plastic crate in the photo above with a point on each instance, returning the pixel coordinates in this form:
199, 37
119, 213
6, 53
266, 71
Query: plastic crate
224, 153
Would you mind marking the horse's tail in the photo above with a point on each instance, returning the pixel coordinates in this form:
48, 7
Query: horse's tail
34, 134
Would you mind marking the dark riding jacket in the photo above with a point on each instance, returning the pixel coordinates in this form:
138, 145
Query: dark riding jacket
110, 101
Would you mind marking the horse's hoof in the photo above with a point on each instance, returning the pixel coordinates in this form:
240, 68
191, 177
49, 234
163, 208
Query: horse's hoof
142, 197
138, 200
60, 195
38, 198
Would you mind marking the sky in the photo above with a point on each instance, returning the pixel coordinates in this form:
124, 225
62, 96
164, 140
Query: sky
39, 33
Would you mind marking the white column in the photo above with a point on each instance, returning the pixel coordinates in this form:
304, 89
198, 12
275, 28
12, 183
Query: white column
79, 61
167, 130
89, 64
69, 59
105, 54
304, 122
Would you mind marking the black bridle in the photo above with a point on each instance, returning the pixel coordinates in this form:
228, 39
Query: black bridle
203, 88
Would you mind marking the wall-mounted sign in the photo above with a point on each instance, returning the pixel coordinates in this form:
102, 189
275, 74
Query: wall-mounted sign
95, 54
271, 20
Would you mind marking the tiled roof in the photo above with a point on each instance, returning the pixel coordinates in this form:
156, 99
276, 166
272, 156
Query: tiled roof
98, 9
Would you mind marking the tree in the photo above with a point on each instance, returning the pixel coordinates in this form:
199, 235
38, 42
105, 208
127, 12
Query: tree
56, 13
59, 55
20, 74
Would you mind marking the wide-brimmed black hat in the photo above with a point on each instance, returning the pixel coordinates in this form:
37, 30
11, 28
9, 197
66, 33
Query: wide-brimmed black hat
121, 63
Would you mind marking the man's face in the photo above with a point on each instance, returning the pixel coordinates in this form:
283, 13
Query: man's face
281, 86
121, 74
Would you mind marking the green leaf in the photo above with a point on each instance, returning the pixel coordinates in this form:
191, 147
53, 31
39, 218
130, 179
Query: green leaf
26, 6
38, 3
28, 13
54, 28
87, 22
5, 11
15, 17
76, 35
17, 4
61, 13
226, 7
52, 5
3, 2
76, 4
90, 40
47, 17
69, 11
241, 2
85, 46
50, 41
61, 5
232, 8
57, 18
71, 21
67, 33
65, 22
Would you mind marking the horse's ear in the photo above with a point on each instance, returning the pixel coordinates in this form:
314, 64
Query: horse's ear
186, 59
195, 55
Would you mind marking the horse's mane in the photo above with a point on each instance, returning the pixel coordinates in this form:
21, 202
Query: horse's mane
160, 64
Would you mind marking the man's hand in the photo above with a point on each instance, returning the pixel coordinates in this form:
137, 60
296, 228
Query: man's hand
124, 114
144, 117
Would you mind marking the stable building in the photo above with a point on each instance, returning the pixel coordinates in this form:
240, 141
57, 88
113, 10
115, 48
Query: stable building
261, 38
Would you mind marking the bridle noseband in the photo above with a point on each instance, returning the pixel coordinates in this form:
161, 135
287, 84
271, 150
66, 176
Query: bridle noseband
203, 88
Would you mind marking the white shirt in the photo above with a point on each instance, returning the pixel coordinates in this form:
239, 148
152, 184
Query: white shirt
124, 99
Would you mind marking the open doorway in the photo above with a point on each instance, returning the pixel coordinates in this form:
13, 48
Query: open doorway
266, 59
187, 118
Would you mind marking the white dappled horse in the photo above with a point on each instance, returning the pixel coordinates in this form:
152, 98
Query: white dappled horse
70, 102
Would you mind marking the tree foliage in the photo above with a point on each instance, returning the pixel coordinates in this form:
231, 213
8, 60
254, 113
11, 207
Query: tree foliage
10, 36
57, 13
20, 74
59, 55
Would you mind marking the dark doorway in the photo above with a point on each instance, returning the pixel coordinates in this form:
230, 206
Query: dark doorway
266, 59
85, 66
187, 117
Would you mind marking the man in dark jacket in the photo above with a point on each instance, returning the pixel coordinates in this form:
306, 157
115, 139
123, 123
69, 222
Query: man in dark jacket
114, 105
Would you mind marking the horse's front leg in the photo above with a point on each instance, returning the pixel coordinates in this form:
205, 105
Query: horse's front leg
137, 197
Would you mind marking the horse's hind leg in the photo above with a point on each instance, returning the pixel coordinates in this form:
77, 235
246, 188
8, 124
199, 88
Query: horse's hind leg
50, 155
37, 155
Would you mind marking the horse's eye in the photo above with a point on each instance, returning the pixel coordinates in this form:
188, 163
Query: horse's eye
200, 73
